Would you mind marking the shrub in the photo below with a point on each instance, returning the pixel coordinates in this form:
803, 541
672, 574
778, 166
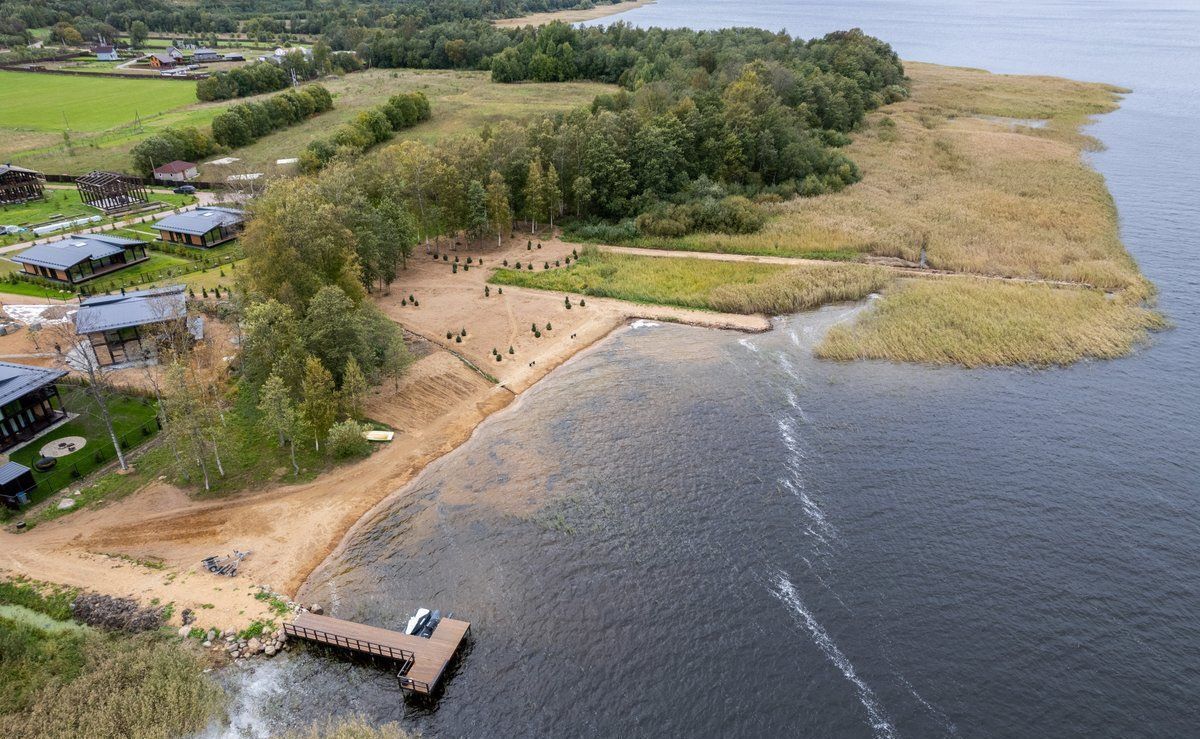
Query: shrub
346, 440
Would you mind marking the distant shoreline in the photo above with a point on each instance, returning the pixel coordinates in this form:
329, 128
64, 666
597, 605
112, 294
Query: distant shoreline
571, 16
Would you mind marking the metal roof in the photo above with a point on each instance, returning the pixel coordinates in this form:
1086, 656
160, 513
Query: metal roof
72, 250
137, 308
201, 220
175, 167
11, 471
17, 380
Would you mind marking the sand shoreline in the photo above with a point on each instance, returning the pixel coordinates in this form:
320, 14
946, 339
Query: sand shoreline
571, 16
294, 529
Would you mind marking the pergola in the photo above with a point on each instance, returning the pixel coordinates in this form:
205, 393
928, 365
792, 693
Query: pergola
111, 192
18, 184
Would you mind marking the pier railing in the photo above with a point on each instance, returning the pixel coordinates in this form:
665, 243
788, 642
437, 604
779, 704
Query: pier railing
358, 645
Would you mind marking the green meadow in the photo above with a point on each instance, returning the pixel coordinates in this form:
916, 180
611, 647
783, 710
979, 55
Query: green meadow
52, 102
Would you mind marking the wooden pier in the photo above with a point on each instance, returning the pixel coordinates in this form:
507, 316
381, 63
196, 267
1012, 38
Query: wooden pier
422, 661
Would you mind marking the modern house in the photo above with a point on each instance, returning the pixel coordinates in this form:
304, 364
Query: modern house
131, 327
16, 482
204, 227
206, 55
29, 402
81, 257
105, 53
18, 184
162, 61
176, 171
111, 192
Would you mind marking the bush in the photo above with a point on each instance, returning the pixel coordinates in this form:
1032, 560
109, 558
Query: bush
346, 439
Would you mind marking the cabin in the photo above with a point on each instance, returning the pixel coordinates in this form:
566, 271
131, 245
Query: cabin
111, 192
204, 227
176, 171
132, 327
105, 53
29, 402
162, 61
18, 185
16, 482
81, 257
206, 55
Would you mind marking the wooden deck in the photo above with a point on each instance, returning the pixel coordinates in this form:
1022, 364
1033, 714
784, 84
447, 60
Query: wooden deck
422, 661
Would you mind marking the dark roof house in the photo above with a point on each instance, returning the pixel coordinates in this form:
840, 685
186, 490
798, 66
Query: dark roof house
29, 402
81, 257
163, 61
129, 327
205, 227
16, 482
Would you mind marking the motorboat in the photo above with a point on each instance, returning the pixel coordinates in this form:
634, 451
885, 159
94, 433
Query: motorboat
417, 622
430, 625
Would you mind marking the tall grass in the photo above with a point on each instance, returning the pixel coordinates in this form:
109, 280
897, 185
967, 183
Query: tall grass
734, 287
89, 684
978, 323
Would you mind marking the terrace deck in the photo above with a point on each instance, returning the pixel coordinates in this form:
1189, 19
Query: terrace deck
422, 661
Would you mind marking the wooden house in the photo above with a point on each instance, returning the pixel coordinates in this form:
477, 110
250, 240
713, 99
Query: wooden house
29, 402
132, 327
81, 257
18, 184
162, 61
204, 227
111, 192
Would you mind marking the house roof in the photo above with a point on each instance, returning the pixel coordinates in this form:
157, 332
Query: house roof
137, 308
204, 51
175, 167
72, 250
5, 168
163, 58
17, 380
201, 220
11, 471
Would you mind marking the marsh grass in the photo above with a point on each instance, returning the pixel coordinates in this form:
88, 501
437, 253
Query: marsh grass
976, 323
353, 727
707, 284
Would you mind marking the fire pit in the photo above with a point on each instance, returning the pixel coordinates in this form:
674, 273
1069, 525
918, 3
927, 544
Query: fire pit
64, 446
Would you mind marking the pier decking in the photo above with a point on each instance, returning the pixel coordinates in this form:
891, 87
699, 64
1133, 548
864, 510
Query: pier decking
422, 661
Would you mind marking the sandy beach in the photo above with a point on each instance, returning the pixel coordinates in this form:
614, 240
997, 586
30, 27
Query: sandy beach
434, 407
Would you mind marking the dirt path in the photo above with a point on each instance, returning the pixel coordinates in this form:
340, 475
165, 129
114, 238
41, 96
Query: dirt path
292, 528
908, 270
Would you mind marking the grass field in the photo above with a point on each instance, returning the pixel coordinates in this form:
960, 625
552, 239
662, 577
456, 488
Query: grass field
51, 102
732, 287
461, 102
63, 203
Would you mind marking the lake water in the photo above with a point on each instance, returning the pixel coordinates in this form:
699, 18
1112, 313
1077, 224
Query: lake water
691, 533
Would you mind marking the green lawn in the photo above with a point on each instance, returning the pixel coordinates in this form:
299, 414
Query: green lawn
706, 284
62, 204
132, 418
52, 102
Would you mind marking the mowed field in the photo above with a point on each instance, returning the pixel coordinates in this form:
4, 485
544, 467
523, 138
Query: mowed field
108, 116
51, 102
461, 102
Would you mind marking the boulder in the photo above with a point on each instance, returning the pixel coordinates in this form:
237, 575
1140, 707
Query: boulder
254, 646
270, 651
184, 631
316, 608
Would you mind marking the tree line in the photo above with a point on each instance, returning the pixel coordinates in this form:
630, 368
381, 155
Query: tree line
238, 126
370, 127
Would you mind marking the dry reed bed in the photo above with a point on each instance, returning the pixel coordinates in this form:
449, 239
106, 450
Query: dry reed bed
978, 323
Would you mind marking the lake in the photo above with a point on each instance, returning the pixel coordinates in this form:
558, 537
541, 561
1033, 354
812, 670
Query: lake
690, 533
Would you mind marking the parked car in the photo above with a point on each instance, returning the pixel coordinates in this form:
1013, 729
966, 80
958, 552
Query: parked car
185, 190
